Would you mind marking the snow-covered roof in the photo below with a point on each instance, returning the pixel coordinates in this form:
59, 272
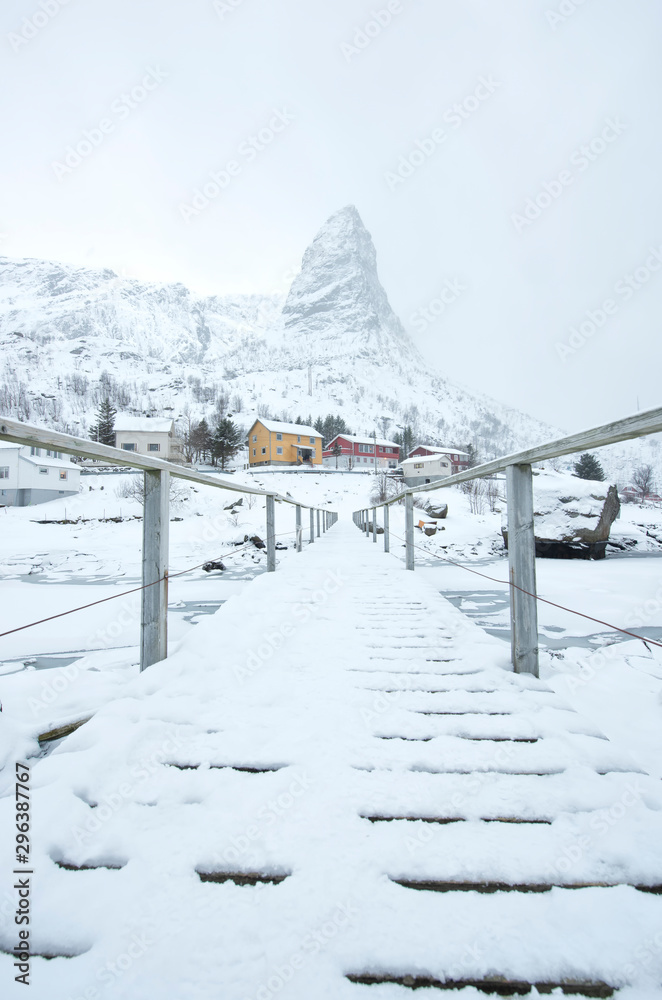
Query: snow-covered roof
422, 459
440, 451
364, 440
57, 463
9, 444
280, 428
125, 422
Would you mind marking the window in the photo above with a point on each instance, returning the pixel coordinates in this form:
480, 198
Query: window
418, 465
264, 451
253, 452
367, 448
63, 474
128, 447
279, 437
279, 451
298, 439
35, 451
154, 447
254, 438
381, 450
43, 472
312, 440
4, 472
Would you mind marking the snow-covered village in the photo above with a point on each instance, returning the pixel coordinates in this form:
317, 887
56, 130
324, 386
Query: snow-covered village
330, 501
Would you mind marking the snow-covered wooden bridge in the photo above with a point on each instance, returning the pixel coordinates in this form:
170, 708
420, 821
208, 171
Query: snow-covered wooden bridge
347, 795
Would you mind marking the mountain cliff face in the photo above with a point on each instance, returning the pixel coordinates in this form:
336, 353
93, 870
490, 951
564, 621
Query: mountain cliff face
70, 335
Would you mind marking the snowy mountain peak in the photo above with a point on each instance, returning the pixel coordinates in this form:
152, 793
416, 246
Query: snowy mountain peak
337, 300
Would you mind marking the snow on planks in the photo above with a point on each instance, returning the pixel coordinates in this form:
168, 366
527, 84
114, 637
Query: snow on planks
336, 788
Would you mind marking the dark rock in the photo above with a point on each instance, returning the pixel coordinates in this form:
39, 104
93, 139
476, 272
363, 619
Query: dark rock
257, 542
213, 564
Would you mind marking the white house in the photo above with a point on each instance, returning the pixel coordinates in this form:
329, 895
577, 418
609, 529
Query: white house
426, 469
35, 475
153, 436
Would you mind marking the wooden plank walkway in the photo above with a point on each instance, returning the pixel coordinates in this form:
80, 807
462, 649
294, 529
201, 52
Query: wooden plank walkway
338, 789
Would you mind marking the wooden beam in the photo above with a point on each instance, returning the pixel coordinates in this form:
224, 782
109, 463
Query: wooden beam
299, 529
522, 565
271, 534
154, 596
409, 530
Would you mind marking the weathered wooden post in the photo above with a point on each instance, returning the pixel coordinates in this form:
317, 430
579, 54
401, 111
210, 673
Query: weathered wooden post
154, 599
367, 522
271, 534
374, 524
318, 524
522, 565
312, 525
299, 528
387, 540
409, 529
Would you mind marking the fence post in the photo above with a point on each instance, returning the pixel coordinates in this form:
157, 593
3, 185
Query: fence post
299, 528
312, 525
154, 599
318, 524
387, 540
271, 534
409, 529
374, 524
367, 522
522, 565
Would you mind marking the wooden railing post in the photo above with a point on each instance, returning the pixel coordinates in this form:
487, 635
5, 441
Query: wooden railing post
409, 529
271, 534
387, 540
367, 522
522, 565
154, 599
318, 524
374, 524
312, 525
299, 528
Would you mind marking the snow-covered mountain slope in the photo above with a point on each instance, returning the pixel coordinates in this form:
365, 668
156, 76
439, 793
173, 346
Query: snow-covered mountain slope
162, 348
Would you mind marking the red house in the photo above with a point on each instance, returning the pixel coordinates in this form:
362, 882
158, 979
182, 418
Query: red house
346, 451
459, 459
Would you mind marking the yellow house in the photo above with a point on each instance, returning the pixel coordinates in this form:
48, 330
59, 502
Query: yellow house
273, 443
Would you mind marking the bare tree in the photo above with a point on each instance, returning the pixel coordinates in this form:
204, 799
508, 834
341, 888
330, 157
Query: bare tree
642, 480
134, 489
383, 488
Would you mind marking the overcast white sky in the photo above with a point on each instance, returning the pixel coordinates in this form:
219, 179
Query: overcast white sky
557, 72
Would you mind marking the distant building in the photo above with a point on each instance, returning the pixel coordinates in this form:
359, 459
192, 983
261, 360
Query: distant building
361, 453
459, 459
153, 436
424, 469
271, 442
34, 475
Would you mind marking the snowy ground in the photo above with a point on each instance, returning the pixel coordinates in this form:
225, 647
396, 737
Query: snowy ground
71, 667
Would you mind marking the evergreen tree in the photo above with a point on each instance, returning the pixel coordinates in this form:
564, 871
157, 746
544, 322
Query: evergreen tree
104, 429
473, 457
201, 440
588, 467
226, 441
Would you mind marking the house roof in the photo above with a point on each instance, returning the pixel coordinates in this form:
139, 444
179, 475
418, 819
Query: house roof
423, 458
363, 440
280, 428
440, 451
125, 422
56, 463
